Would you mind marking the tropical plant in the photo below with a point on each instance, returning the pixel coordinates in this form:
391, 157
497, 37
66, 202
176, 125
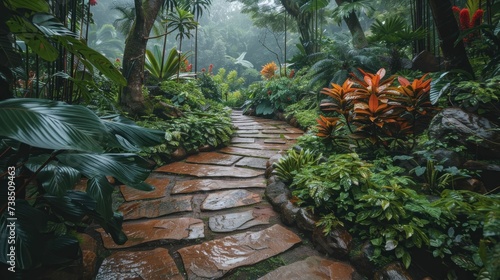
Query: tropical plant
339, 58
183, 22
269, 70
170, 66
292, 162
397, 35
47, 146
373, 109
45, 35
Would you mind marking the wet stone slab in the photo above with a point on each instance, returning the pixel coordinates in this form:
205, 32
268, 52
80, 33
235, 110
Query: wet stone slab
155, 208
241, 220
260, 135
160, 185
213, 158
156, 229
153, 264
230, 199
236, 140
246, 131
312, 268
248, 152
265, 146
200, 170
198, 185
259, 163
275, 141
278, 131
215, 258
294, 130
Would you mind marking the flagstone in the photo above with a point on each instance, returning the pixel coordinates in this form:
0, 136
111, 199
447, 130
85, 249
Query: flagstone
259, 135
252, 162
242, 220
213, 158
215, 258
275, 141
139, 232
200, 170
235, 140
279, 130
265, 146
246, 131
312, 268
230, 199
197, 185
152, 264
160, 185
248, 152
156, 207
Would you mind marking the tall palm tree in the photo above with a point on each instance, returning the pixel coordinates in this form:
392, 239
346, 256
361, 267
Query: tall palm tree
197, 8
183, 22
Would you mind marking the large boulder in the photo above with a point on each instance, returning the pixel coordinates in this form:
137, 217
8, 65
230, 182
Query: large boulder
477, 133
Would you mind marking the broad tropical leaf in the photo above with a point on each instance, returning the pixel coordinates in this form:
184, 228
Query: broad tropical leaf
100, 189
55, 178
129, 169
29, 242
131, 136
41, 6
52, 125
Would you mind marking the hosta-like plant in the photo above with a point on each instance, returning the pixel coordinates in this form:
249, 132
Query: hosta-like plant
45, 148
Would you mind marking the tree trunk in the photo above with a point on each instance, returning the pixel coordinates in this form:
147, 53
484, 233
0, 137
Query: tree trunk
304, 20
448, 31
131, 97
358, 35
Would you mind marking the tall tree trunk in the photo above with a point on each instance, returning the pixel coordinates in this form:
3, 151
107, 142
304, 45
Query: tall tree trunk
448, 31
358, 35
304, 21
131, 97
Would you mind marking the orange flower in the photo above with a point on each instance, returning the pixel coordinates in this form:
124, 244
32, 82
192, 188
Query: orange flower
269, 70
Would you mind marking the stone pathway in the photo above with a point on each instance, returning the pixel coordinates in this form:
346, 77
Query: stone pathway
208, 217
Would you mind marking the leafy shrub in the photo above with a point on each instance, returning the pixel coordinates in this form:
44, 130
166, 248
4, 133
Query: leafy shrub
190, 132
376, 112
45, 161
288, 165
187, 96
275, 94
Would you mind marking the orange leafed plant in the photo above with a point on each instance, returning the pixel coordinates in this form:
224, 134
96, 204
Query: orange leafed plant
327, 126
339, 102
371, 84
269, 70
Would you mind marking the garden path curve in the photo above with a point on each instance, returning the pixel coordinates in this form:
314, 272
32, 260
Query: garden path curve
208, 217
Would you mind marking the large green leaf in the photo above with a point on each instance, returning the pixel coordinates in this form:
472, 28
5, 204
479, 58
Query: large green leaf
34, 5
50, 26
100, 189
30, 34
73, 206
55, 178
87, 54
52, 125
28, 240
131, 136
129, 169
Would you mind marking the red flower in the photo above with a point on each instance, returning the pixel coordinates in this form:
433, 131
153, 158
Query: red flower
456, 9
210, 67
464, 19
292, 73
93, 2
476, 18
203, 69
189, 67
117, 60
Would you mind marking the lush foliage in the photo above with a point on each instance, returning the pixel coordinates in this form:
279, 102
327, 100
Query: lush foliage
47, 146
377, 112
378, 202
